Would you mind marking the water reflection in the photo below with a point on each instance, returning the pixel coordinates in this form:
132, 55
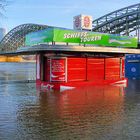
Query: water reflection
76, 114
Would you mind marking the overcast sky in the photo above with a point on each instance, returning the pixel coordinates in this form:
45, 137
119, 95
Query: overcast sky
57, 12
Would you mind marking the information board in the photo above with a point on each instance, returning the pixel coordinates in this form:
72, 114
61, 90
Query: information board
58, 69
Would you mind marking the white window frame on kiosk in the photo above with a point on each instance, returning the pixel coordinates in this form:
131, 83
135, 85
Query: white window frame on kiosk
38, 67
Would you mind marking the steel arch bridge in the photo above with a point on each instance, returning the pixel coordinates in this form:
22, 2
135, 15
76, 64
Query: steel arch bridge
122, 21
16, 37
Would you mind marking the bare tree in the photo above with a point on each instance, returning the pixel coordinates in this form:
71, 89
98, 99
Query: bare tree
3, 4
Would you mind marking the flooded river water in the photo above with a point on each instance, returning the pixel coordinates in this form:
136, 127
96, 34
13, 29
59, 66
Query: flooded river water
95, 113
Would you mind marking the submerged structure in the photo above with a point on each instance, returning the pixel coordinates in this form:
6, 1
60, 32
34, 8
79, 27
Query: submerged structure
67, 58
132, 64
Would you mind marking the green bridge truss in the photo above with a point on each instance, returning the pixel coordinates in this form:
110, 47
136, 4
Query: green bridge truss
16, 37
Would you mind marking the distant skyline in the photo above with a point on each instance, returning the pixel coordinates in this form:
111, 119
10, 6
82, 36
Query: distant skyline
57, 13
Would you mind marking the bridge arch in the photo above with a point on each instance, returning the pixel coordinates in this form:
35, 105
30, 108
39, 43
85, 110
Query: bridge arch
122, 21
16, 37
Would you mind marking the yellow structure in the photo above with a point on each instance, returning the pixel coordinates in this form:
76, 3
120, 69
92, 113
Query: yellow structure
11, 59
21, 58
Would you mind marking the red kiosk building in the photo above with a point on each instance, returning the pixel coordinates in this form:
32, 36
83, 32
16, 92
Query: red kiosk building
70, 58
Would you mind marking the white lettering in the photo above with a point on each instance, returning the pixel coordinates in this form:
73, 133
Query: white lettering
90, 39
75, 35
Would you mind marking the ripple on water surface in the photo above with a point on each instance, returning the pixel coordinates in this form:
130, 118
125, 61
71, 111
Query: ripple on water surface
104, 113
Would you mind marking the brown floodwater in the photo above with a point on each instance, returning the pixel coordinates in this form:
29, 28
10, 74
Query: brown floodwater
93, 113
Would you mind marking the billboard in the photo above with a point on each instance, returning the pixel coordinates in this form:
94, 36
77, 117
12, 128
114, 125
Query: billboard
77, 23
80, 37
82, 22
58, 70
43, 36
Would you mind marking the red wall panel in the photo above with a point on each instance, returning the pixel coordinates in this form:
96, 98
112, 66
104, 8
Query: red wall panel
91, 69
95, 68
76, 69
112, 68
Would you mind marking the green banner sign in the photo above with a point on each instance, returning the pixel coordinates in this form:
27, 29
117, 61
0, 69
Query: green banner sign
80, 37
